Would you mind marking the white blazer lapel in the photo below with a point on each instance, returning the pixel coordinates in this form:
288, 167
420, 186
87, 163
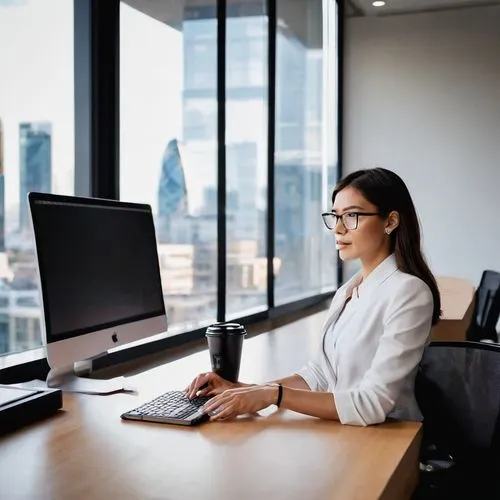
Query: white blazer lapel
336, 308
338, 302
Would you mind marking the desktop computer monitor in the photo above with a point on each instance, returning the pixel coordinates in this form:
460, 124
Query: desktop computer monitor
99, 275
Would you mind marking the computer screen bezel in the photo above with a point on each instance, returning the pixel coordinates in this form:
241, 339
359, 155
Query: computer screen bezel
49, 336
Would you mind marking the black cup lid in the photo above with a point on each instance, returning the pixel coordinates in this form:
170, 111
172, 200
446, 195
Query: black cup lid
226, 329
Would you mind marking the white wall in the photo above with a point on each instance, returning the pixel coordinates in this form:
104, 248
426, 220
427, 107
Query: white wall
422, 98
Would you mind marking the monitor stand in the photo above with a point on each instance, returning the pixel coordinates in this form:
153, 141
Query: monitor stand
75, 379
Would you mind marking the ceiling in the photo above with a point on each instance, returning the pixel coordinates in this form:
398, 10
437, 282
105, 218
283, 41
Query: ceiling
302, 17
365, 7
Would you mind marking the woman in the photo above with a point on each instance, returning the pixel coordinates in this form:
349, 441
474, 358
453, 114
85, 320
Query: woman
377, 326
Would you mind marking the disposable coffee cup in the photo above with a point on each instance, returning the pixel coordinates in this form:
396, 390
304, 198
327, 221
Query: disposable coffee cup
225, 343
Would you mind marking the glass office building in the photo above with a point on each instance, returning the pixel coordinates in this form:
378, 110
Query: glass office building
35, 164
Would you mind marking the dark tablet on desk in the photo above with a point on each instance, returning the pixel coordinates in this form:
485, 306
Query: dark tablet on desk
21, 406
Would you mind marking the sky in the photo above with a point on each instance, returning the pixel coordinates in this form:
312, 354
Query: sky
36, 84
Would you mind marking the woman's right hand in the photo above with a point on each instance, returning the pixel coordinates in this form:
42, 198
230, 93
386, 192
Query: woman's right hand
208, 384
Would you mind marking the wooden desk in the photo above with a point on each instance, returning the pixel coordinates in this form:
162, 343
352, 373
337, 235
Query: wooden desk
87, 452
457, 306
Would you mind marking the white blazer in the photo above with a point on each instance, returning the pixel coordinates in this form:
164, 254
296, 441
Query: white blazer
369, 357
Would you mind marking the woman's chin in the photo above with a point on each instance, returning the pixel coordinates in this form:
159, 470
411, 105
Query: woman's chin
346, 254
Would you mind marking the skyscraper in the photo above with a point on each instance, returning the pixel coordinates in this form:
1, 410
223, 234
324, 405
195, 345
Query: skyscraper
172, 192
2, 193
35, 142
241, 175
299, 127
246, 94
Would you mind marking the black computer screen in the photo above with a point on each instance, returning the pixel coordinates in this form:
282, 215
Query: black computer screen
98, 264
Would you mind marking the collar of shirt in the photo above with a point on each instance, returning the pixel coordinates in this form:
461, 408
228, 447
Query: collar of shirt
356, 287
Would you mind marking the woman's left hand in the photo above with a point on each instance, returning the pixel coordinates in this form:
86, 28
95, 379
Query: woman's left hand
234, 402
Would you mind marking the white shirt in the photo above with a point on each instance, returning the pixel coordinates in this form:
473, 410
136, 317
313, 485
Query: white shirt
371, 348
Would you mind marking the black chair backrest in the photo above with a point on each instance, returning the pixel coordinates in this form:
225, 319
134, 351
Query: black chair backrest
458, 391
486, 308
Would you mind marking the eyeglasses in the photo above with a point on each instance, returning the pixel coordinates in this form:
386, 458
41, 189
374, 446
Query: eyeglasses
350, 220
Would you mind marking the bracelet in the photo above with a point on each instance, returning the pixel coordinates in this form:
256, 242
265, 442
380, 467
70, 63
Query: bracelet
280, 395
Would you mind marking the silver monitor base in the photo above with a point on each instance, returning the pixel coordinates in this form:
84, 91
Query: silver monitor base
71, 379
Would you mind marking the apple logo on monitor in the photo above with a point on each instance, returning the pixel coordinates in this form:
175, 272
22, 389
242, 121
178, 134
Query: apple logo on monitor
114, 337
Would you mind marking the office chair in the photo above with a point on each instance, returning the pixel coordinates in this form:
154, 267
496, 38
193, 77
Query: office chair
486, 309
458, 391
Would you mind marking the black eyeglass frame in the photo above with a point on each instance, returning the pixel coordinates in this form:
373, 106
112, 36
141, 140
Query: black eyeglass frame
324, 216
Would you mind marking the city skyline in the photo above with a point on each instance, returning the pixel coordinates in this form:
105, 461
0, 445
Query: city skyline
168, 154
298, 168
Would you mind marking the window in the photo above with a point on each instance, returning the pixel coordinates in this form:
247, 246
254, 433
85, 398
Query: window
168, 140
305, 166
246, 158
36, 147
169, 144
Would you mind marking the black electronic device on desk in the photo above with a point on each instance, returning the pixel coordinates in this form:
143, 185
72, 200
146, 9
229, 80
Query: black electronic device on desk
22, 406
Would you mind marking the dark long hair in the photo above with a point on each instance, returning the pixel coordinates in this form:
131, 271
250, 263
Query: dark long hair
388, 192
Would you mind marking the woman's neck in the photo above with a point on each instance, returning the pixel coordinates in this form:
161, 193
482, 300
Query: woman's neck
367, 266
